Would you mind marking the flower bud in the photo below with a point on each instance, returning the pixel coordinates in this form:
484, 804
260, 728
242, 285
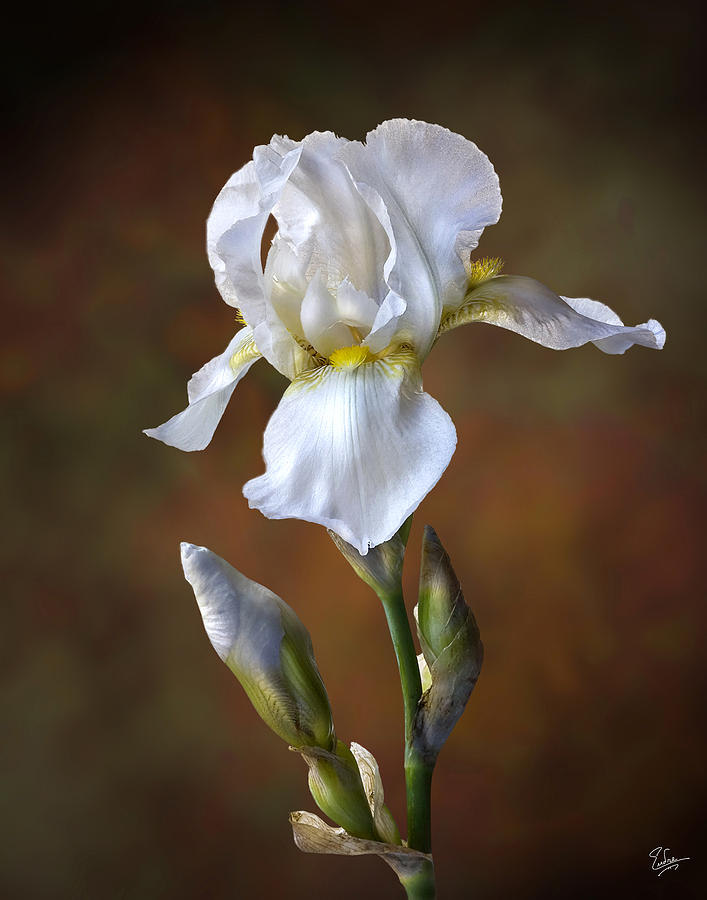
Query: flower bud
382, 567
265, 645
441, 610
336, 786
451, 648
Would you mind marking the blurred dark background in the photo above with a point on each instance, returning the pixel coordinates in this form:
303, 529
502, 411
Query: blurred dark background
132, 766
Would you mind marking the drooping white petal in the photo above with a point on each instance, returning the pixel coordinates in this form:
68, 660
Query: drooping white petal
434, 192
209, 391
529, 308
234, 235
322, 215
354, 449
617, 343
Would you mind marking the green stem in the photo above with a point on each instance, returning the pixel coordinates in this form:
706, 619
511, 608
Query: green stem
399, 628
418, 781
421, 886
418, 774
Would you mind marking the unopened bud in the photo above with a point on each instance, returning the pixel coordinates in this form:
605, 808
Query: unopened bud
265, 645
336, 786
441, 610
451, 648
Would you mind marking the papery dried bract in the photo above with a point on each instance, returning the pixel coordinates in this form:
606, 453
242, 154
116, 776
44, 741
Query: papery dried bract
312, 835
383, 820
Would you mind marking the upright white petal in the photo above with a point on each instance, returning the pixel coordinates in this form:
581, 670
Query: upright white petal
322, 215
354, 449
238, 200
234, 235
529, 308
209, 391
434, 193
241, 210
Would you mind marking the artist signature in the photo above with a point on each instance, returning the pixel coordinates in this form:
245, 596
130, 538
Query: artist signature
662, 862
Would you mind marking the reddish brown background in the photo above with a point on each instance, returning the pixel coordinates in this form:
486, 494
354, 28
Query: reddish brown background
132, 765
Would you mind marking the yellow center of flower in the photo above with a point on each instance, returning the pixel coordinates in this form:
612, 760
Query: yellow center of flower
350, 357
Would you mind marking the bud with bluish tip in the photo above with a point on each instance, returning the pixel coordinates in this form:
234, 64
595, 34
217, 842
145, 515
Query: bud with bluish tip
265, 645
452, 651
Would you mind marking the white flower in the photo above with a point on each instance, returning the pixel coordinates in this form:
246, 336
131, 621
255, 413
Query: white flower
370, 264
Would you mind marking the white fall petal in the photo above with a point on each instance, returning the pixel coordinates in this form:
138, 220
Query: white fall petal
209, 391
529, 308
354, 449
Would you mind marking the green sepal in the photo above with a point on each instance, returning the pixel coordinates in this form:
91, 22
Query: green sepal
382, 567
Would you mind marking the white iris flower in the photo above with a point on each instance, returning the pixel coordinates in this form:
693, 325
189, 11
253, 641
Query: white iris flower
370, 264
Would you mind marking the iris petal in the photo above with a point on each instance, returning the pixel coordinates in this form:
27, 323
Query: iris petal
321, 214
209, 391
354, 449
529, 308
434, 193
234, 233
